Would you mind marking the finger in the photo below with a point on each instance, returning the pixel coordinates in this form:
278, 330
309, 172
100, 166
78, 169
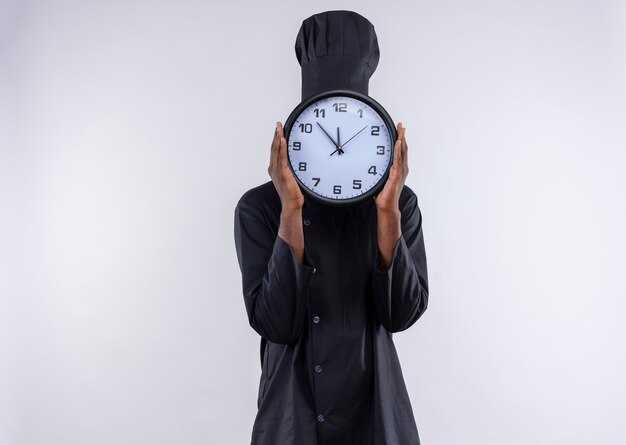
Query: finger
398, 147
405, 147
283, 153
401, 130
282, 144
280, 129
397, 155
275, 147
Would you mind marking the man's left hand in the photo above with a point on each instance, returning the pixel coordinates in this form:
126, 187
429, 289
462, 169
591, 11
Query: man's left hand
387, 200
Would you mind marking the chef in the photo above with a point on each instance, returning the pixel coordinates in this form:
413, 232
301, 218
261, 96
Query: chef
326, 287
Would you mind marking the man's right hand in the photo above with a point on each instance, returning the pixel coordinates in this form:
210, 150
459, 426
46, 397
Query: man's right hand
290, 194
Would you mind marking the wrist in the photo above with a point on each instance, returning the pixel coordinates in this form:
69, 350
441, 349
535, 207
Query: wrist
290, 214
387, 206
291, 205
291, 232
391, 214
389, 226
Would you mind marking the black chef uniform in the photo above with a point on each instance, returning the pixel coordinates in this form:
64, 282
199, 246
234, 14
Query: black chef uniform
329, 369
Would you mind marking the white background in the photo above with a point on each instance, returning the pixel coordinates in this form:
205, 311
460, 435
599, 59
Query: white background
129, 129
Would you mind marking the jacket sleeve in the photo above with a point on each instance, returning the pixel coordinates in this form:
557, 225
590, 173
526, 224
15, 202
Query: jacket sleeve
400, 293
275, 285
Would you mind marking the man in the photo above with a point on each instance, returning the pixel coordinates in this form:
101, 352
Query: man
325, 287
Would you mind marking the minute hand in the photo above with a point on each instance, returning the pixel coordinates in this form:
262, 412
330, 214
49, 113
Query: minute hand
346, 143
327, 135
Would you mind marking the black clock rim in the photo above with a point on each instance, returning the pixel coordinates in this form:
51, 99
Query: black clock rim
381, 112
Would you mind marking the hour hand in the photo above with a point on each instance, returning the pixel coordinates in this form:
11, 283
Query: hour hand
339, 148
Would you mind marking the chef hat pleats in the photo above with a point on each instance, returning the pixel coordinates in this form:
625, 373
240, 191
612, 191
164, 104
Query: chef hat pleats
336, 50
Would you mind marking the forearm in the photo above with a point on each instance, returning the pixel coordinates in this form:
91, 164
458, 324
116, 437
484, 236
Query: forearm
388, 232
274, 283
400, 293
400, 285
291, 231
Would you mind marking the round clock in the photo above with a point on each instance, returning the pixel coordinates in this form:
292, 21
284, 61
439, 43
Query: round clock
340, 146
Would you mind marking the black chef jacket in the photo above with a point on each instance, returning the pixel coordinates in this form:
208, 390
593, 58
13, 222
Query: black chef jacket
330, 373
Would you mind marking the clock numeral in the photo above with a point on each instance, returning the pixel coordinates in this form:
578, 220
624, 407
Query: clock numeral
375, 130
302, 166
372, 170
320, 112
360, 111
337, 190
306, 128
317, 181
380, 150
356, 184
343, 107
297, 146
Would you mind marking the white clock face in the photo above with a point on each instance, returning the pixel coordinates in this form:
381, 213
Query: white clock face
339, 148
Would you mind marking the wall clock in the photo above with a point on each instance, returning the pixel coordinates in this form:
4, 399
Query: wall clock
340, 146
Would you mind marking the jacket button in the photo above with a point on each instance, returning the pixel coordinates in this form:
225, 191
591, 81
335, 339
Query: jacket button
318, 368
320, 418
316, 319
307, 222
